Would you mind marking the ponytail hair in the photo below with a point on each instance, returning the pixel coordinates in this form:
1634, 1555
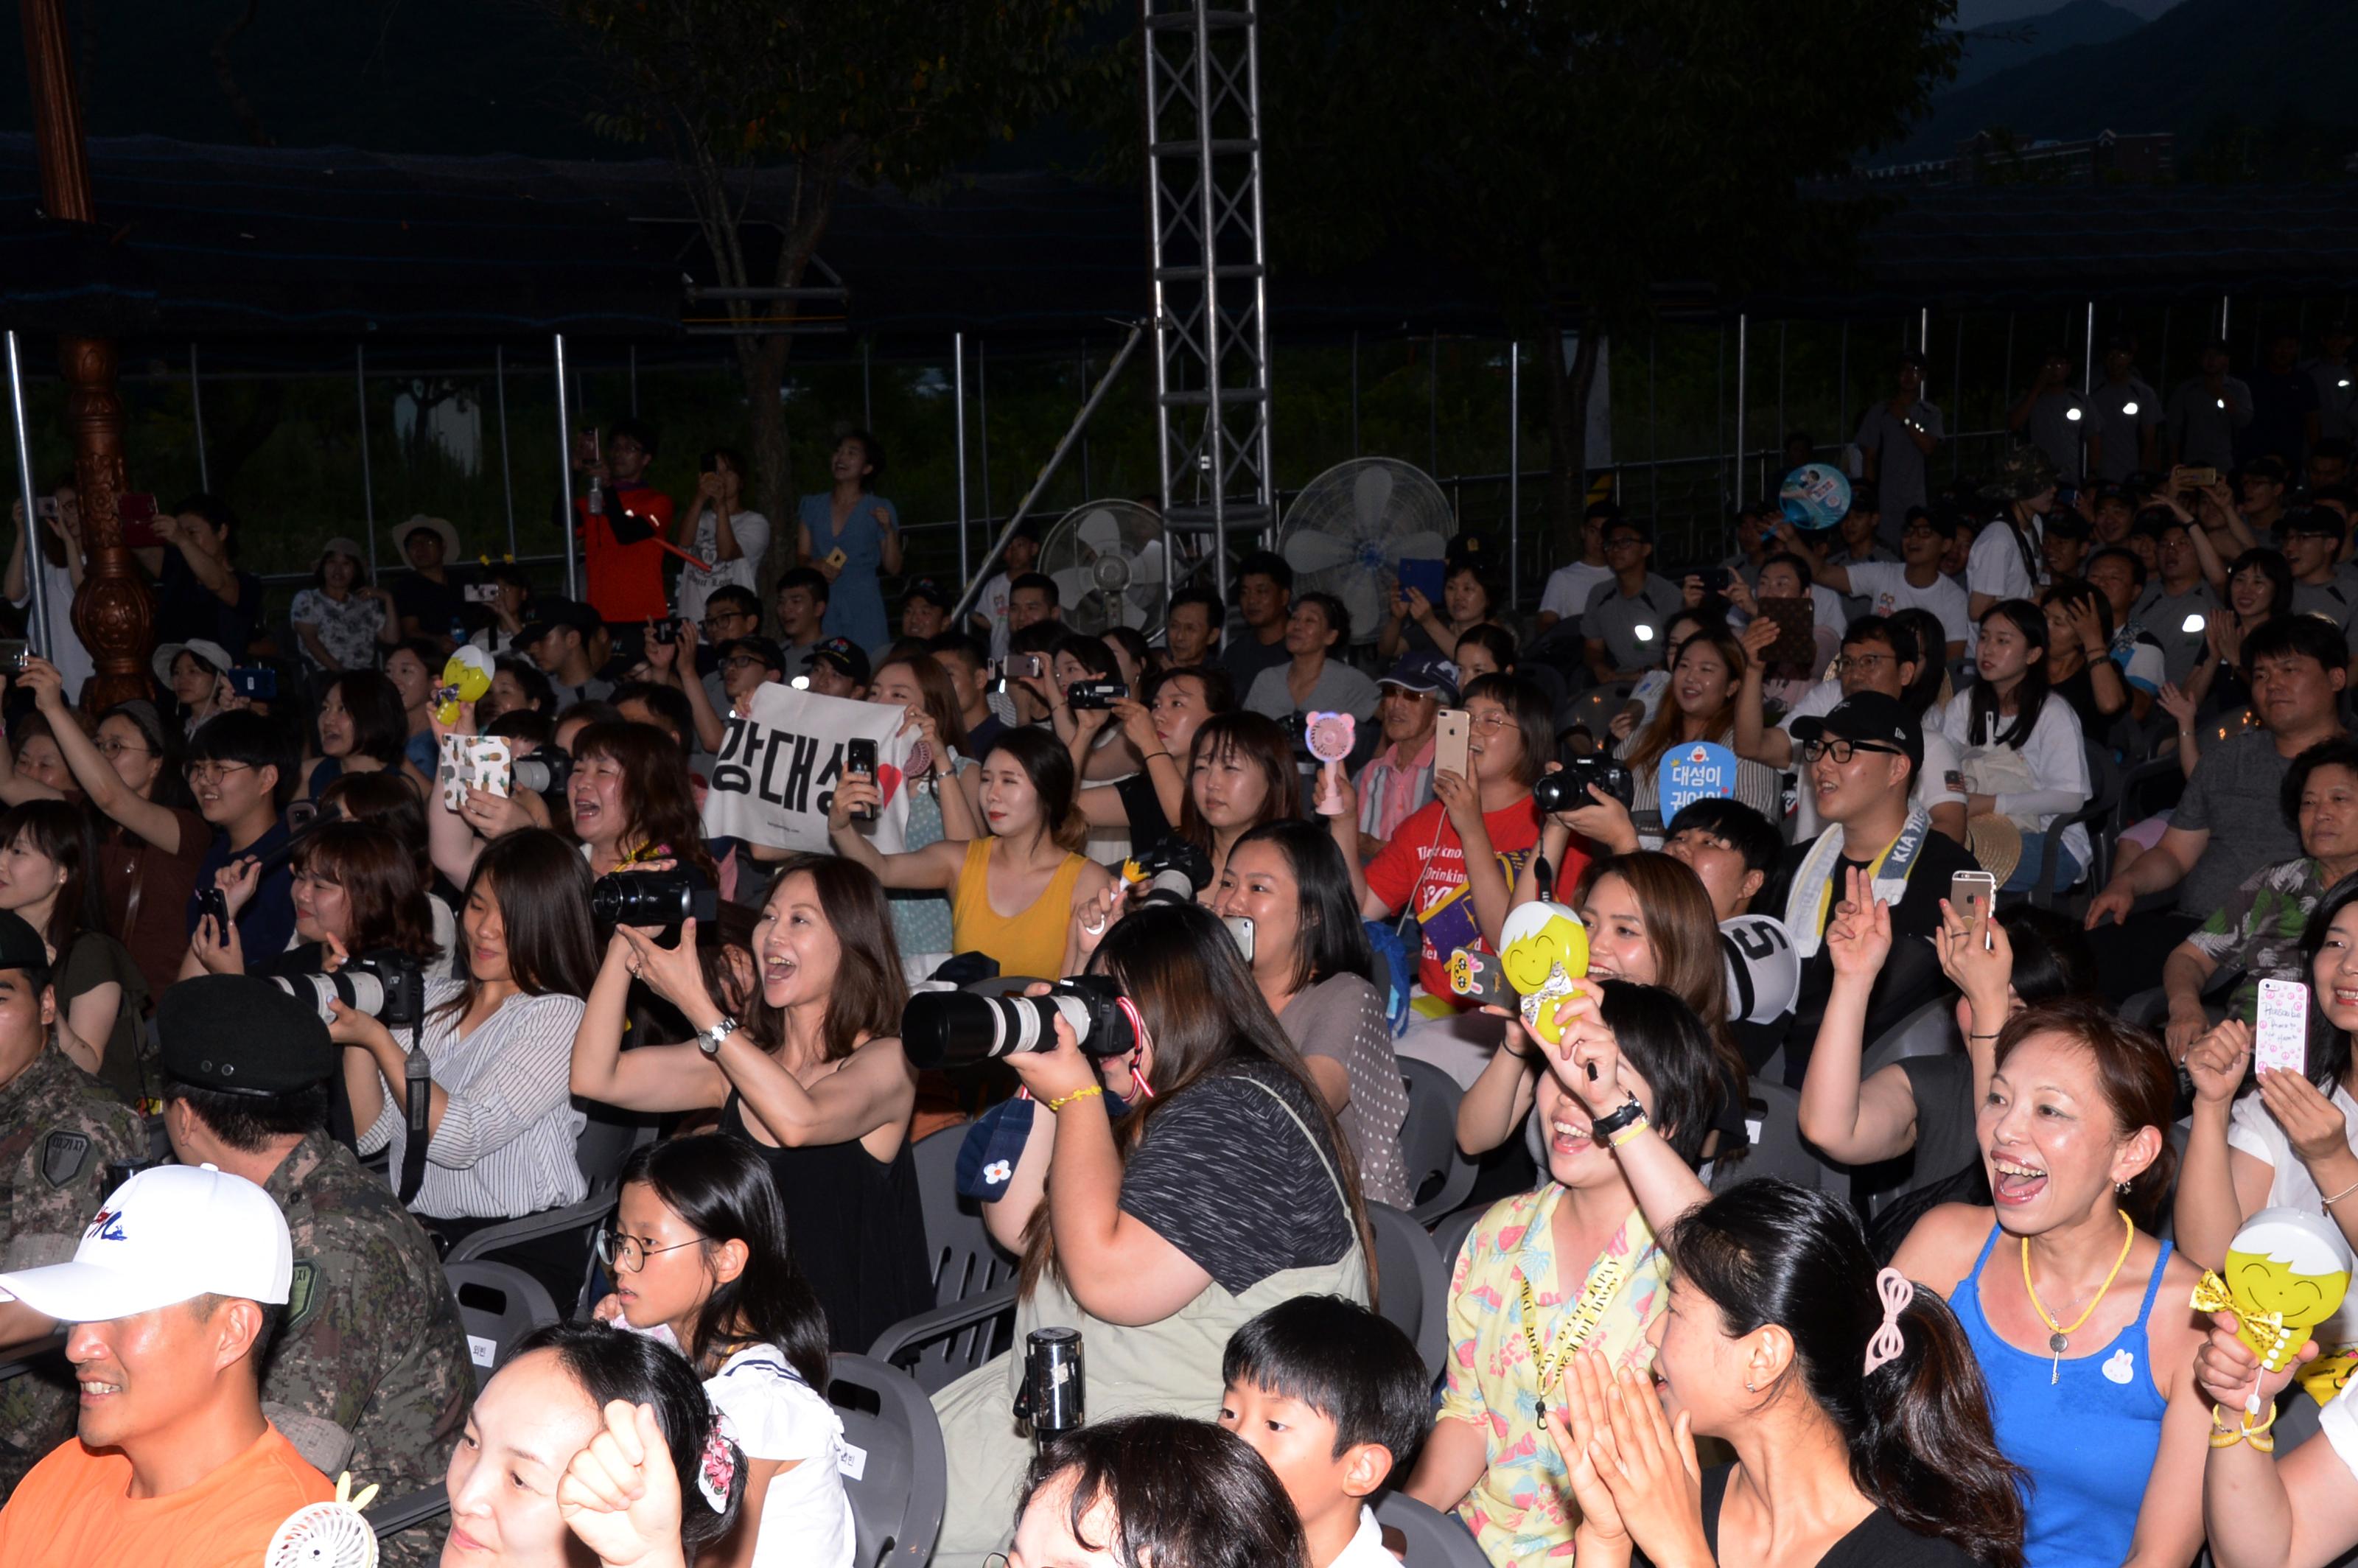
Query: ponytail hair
1917, 1428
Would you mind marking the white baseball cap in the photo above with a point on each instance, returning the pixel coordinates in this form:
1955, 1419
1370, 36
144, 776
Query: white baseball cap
167, 1236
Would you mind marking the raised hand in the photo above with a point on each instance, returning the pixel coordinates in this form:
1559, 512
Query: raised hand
1859, 937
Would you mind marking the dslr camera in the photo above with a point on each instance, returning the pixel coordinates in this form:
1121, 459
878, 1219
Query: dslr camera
385, 983
958, 1029
1567, 790
661, 899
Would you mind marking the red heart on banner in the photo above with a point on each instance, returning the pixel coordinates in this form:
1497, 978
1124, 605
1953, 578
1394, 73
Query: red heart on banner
888, 779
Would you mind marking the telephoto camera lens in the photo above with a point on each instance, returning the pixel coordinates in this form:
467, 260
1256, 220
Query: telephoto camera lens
356, 989
956, 1029
543, 772
652, 897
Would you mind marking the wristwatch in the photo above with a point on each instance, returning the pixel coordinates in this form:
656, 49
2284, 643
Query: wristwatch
1614, 1121
708, 1040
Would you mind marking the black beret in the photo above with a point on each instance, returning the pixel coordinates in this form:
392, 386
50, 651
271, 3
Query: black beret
21, 947
242, 1035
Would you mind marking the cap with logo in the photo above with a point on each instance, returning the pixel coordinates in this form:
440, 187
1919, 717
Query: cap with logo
167, 1236
548, 615
931, 592
241, 1035
1871, 717
1426, 675
845, 654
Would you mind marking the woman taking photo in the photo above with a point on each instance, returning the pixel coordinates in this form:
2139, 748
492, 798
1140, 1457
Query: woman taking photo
1241, 774
2288, 1142
1414, 624
1311, 961
697, 1254
50, 878
339, 620
499, 1122
1103, 752
1776, 1306
356, 891
131, 776
1313, 680
363, 730
848, 535
2078, 1317
1013, 893
628, 801
1700, 704
1223, 1189
812, 1079
945, 788
1161, 724
2019, 743
1570, 1265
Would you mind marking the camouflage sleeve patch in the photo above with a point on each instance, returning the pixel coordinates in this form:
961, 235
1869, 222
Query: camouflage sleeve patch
65, 1158
303, 1293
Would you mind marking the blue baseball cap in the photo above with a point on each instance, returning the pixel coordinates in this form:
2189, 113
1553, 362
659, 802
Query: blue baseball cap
1425, 673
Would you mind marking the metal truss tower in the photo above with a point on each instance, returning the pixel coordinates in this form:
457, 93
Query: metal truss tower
1211, 322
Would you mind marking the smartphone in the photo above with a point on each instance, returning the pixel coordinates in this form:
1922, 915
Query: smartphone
481, 593
2280, 1031
837, 558
136, 512
2067, 497
46, 507
14, 652
1714, 580
1425, 577
2193, 479
1796, 621
587, 450
667, 631
859, 757
213, 902
1240, 928
254, 681
301, 814
1973, 894
1451, 727
994, 681
1034, 667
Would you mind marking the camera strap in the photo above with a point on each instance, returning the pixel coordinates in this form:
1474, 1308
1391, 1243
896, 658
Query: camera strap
420, 1083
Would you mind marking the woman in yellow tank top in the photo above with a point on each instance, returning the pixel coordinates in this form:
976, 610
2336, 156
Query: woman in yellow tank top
1011, 894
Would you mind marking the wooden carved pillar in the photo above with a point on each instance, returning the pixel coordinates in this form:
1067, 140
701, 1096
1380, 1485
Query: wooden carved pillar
112, 613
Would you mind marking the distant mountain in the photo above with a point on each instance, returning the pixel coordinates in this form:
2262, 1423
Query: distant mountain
2002, 45
1973, 14
2258, 84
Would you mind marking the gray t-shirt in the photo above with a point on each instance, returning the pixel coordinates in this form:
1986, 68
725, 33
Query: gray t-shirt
2205, 432
2123, 412
1341, 1018
1340, 689
2178, 622
1631, 629
1900, 480
2234, 795
2053, 431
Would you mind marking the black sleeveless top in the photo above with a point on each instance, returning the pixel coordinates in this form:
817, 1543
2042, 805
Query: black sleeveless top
856, 1228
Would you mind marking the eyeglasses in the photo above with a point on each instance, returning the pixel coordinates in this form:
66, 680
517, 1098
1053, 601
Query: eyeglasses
1864, 662
1843, 750
740, 662
725, 618
1491, 723
1623, 541
213, 772
629, 1254
111, 747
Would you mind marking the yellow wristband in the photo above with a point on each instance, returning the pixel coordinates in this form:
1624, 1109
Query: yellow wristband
1061, 1101
1627, 1133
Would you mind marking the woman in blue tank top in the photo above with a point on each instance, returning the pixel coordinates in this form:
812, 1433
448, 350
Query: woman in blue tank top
2079, 1320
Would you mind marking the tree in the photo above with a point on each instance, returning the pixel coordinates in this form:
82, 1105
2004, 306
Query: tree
894, 92
1583, 156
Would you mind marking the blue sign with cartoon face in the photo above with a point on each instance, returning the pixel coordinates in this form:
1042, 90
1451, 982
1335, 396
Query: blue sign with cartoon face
1691, 773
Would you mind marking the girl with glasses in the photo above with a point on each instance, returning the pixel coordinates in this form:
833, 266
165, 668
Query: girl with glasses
698, 1251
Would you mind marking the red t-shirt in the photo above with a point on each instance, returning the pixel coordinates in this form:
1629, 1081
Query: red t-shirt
74, 1511
1423, 870
625, 582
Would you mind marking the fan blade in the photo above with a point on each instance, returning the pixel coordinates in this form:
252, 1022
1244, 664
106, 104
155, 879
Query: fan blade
1099, 530
1371, 495
1358, 596
1424, 547
1073, 584
1308, 551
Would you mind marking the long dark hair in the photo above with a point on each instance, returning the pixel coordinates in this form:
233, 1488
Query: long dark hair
1258, 739
64, 832
612, 1364
1183, 1494
1931, 639
869, 991
721, 1190
1049, 766
542, 884
940, 698
658, 794
1918, 1429
1328, 939
2329, 1047
1982, 727
379, 875
1205, 1014
380, 724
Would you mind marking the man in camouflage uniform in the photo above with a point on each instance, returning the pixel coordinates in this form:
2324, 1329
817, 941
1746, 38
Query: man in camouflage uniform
368, 1371
61, 1131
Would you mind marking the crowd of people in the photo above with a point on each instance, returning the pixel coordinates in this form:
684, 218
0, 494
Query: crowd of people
289, 1012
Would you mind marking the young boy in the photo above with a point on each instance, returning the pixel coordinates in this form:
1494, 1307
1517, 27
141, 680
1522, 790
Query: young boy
1334, 1399
1732, 849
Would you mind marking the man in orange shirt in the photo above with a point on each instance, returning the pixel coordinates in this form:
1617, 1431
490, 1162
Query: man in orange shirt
172, 1295
621, 549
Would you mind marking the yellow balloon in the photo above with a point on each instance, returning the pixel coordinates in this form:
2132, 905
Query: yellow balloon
1544, 948
465, 679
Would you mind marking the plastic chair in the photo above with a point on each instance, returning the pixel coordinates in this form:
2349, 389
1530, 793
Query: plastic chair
391, 1516
2104, 794
1412, 1282
1449, 1236
604, 1142
1439, 1176
499, 1304
1772, 1115
1930, 1031
1431, 1539
974, 1282
896, 1473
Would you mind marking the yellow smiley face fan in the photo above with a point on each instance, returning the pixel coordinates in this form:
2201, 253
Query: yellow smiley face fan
1543, 948
2287, 1271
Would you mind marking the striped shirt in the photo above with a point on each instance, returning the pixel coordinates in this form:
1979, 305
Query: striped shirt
506, 1145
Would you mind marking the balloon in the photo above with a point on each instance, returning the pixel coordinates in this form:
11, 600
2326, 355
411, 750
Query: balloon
1544, 948
465, 679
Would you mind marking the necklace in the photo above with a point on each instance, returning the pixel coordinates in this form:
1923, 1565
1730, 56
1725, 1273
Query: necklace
2059, 1337
1602, 1281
